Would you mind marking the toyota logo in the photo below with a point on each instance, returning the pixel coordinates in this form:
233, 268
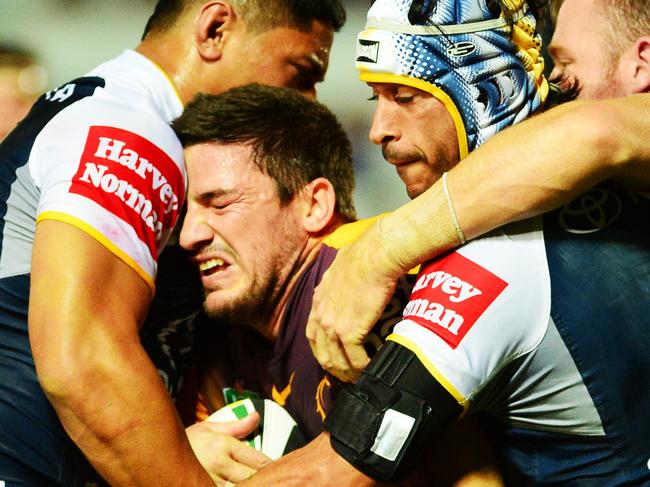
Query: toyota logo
591, 211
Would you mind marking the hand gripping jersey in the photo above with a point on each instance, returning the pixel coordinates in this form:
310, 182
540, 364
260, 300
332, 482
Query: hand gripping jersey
546, 330
286, 370
96, 153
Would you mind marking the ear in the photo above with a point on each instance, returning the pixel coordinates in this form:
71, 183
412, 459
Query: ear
641, 56
320, 205
215, 18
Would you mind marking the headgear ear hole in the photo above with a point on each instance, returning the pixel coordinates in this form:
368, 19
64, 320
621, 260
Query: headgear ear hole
421, 11
494, 6
482, 98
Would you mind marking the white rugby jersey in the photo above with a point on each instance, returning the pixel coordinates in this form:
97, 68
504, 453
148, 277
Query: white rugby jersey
97, 153
107, 163
481, 316
547, 333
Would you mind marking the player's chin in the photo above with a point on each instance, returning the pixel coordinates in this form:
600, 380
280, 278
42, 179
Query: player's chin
220, 300
413, 190
416, 178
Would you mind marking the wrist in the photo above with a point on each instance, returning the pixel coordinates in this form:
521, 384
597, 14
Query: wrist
420, 230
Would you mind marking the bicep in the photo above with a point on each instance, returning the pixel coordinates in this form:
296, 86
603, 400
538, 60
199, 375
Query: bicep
79, 288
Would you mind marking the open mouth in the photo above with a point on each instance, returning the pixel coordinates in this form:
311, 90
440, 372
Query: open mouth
212, 266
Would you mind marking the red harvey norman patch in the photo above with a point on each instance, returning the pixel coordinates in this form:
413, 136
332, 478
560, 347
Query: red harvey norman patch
133, 179
450, 295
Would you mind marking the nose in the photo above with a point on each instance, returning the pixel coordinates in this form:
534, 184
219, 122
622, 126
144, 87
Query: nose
195, 232
384, 128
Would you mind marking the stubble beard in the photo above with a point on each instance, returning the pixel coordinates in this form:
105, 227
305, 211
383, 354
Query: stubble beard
253, 308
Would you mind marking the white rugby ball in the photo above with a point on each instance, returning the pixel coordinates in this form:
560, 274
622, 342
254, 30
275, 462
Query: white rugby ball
277, 434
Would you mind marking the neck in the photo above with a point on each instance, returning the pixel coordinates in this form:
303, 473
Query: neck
175, 58
307, 255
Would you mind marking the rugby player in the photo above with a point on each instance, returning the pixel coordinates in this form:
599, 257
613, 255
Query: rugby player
91, 186
526, 324
535, 166
269, 204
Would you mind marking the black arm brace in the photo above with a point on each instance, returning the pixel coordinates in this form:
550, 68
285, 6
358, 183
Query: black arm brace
383, 423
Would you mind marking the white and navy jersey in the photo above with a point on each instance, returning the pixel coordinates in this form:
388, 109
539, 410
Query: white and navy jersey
97, 153
547, 331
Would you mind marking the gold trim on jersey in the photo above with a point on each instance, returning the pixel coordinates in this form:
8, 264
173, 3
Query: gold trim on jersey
350, 232
281, 396
324, 385
94, 233
420, 354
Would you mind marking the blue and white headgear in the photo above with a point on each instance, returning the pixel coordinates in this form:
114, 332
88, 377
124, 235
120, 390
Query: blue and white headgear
487, 70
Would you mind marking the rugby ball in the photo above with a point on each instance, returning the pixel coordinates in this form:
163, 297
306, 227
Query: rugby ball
277, 434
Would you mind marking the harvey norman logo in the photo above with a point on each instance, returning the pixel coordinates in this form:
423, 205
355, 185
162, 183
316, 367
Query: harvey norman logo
367, 51
450, 295
133, 179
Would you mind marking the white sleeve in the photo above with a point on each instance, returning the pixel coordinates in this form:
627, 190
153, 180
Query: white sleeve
475, 310
118, 177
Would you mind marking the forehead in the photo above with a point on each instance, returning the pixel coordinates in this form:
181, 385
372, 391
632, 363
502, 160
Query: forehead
579, 24
312, 42
215, 167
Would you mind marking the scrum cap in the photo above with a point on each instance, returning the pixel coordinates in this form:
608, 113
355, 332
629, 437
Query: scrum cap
486, 69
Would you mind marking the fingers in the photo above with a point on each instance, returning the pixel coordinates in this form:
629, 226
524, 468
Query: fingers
240, 428
321, 351
357, 357
246, 455
223, 456
237, 462
334, 355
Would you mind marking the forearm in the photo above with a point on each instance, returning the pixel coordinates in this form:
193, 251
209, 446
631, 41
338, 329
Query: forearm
316, 464
116, 410
566, 151
84, 310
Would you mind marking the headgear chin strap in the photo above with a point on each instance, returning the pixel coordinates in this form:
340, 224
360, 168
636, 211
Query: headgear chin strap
486, 70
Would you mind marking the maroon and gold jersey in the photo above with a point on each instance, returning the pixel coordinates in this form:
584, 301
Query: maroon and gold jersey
286, 370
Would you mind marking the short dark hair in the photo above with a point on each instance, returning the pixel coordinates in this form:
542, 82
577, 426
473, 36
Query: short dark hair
258, 14
294, 139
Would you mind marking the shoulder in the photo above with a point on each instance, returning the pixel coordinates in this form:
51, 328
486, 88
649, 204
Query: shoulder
493, 281
349, 233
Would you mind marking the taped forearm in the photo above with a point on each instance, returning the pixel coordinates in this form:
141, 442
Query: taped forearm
549, 159
419, 230
524, 171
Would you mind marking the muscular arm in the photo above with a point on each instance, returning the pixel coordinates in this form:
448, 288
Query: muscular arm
316, 464
85, 309
551, 158
523, 171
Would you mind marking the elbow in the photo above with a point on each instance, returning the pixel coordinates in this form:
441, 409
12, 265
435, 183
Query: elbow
63, 377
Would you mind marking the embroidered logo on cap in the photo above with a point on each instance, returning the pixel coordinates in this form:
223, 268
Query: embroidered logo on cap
450, 295
132, 178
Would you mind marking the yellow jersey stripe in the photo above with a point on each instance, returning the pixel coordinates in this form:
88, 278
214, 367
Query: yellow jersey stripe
86, 228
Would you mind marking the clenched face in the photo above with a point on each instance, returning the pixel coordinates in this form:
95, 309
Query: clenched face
580, 50
243, 240
416, 134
